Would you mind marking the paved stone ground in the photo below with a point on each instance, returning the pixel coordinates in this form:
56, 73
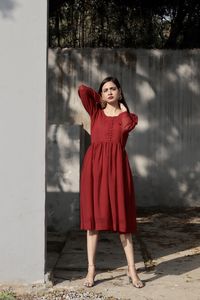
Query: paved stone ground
167, 251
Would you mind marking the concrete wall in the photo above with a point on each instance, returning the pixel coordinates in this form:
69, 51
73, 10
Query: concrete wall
162, 87
63, 170
23, 31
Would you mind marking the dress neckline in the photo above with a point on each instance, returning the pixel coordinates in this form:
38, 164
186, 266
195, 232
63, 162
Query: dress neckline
112, 116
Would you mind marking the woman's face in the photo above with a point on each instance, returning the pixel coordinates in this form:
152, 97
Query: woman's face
110, 92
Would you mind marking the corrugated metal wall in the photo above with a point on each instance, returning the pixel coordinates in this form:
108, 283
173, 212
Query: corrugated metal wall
163, 88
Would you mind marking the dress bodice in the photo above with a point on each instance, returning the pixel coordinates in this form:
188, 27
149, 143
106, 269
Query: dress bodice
106, 129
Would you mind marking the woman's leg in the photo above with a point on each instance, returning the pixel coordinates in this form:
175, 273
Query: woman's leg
92, 239
127, 243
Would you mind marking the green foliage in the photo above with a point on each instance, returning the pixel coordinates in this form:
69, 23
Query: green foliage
7, 295
128, 23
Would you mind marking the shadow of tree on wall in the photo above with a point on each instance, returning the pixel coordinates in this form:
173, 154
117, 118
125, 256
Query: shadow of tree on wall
171, 170
60, 211
7, 7
163, 147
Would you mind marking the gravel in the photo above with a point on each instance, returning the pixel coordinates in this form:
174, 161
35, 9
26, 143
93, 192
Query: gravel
66, 295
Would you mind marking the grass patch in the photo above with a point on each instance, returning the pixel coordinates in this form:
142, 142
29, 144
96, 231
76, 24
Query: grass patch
7, 295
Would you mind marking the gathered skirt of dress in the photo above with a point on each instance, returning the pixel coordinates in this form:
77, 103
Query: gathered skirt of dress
107, 192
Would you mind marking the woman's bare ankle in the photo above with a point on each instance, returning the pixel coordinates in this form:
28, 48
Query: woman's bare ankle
91, 265
132, 270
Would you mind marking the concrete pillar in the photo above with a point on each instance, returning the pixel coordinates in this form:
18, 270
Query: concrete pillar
23, 31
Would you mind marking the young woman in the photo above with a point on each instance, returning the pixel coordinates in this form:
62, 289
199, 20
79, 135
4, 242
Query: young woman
107, 200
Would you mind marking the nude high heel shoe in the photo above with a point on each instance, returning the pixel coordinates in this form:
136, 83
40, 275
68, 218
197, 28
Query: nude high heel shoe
89, 281
137, 283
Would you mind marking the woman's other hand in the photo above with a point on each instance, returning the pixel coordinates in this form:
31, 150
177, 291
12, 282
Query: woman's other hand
122, 107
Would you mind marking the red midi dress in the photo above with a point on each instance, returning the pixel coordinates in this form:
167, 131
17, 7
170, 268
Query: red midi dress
107, 198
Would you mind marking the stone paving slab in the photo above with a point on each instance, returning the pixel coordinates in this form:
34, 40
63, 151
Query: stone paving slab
167, 251
74, 257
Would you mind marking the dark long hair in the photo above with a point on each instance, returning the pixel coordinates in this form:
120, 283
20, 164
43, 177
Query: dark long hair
116, 82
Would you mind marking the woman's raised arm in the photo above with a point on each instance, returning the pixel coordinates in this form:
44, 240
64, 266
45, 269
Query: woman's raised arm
89, 98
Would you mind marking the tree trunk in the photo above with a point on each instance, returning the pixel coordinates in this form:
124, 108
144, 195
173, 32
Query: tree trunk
176, 26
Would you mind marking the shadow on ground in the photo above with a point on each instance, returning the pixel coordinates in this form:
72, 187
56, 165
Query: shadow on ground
167, 243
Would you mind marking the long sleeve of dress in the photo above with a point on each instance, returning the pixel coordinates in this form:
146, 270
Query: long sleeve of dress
128, 120
89, 98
